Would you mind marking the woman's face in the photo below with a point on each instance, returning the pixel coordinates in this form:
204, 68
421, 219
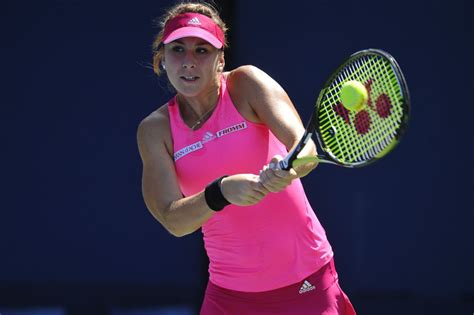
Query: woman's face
192, 65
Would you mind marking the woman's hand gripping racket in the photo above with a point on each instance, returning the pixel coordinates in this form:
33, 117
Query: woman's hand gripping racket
372, 119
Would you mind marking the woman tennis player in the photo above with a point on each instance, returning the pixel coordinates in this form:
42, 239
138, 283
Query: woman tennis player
206, 156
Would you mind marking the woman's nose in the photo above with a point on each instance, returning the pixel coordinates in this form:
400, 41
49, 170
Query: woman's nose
188, 61
188, 65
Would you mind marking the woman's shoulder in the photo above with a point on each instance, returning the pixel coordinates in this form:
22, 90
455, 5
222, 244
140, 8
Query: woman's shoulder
155, 127
157, 118
245, 73
247, 85
248, 78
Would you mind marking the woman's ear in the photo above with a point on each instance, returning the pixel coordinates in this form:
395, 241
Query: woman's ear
221, 62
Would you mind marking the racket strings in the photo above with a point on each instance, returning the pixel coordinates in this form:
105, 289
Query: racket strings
387, 127
358, 137
332, 97
373, 143
377, 141
341, 144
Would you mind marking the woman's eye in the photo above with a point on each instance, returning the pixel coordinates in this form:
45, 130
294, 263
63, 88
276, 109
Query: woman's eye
201, 50
178, 49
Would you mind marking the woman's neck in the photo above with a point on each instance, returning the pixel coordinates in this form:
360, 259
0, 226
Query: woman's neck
197, 109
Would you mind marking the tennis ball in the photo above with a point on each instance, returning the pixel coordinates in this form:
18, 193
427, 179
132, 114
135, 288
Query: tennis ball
353, 95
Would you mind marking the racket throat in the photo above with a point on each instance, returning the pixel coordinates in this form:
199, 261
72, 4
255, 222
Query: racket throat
287, 162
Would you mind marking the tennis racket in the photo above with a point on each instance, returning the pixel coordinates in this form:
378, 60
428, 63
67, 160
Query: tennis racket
357, 138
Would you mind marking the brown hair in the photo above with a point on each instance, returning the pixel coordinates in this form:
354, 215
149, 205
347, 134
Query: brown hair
183, 7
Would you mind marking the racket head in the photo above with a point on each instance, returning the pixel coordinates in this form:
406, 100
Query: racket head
358, 138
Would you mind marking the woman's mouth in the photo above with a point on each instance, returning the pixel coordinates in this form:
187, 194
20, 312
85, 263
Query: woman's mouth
189, 78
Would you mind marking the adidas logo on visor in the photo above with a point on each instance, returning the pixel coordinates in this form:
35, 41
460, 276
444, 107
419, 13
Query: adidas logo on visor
194, 21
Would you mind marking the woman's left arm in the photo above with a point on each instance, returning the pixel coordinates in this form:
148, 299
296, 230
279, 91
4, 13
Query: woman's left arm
272, 106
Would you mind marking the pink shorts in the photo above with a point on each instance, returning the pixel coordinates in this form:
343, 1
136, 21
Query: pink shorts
318, 294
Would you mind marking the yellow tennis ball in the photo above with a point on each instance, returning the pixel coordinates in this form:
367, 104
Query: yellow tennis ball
353, 95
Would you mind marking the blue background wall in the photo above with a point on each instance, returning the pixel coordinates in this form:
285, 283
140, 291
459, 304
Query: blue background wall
76, 82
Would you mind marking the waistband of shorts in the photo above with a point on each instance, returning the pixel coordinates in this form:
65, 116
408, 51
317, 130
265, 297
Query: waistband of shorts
322, 279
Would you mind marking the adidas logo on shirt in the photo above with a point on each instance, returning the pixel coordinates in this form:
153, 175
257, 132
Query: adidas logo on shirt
306, 287
208, 137
194, 21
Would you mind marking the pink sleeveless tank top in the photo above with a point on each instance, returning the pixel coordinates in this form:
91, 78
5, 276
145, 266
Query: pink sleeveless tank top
272, 244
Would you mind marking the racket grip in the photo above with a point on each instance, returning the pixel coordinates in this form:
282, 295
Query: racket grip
300, 161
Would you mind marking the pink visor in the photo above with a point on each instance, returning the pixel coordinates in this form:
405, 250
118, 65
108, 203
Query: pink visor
193, 25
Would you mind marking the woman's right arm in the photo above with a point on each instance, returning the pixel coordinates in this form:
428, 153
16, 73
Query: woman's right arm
161, 192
